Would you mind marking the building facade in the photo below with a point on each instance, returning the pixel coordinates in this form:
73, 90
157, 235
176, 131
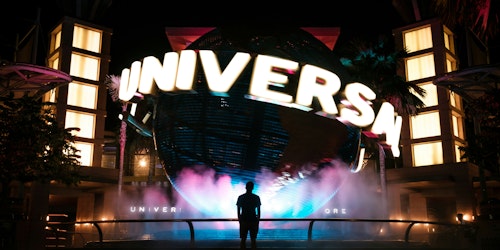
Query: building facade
432, 183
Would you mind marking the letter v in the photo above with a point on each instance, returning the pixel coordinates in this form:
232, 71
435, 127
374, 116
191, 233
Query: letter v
218, 81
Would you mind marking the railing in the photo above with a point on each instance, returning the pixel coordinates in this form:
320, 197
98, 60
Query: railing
312, 221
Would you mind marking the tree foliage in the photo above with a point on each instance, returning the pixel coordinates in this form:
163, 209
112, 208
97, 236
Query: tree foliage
33, 147
483, 146
131, 141
375, 64
480, 16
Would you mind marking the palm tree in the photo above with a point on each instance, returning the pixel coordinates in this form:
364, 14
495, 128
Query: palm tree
132, 142
375, 64
113, 83
481, 16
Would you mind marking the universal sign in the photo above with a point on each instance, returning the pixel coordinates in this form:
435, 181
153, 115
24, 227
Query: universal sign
154, 209
178, 71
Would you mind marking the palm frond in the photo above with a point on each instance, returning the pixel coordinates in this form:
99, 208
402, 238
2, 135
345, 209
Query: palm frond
113, 84
375, 64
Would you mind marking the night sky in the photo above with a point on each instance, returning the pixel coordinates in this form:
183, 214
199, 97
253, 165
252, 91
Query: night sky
138, 26
137, 35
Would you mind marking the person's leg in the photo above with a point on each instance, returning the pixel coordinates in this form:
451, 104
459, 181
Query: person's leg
243, 234
243, 243
253, 243
254, 229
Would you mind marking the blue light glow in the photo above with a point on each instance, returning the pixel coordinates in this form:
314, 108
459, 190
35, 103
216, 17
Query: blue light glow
213, 192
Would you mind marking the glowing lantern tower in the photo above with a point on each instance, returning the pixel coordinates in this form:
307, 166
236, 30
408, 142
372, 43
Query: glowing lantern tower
82, 49
435, 177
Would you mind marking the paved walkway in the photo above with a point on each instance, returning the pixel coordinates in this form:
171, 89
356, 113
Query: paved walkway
262, 245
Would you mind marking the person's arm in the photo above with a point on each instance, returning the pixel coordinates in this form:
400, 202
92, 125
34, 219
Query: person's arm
238, 211
258, 212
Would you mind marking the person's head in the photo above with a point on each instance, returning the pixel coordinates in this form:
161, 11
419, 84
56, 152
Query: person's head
249, 186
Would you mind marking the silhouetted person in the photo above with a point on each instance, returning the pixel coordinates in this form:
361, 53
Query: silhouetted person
248, 205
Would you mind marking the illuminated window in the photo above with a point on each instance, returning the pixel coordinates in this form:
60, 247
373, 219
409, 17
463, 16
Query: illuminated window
55, 39
85, 38
54, 61
86, 152
50, 96
419, 67
451, 64
419, 39
455, 100
448, 40
458, 127
108, 161
82, 95
84, 121
459, 153
430, 98
85, 66
425, 154
425, 125
141, 165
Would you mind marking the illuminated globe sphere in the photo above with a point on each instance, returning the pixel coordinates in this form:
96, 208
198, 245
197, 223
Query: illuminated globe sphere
232, 138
